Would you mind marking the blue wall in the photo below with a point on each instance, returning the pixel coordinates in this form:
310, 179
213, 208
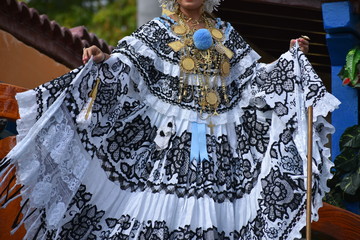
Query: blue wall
342, 26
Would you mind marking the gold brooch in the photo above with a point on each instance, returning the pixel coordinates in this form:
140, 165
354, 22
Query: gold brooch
225, 68
176, 46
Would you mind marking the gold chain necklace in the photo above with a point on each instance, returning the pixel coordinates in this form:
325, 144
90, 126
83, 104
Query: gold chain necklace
193, 22
210, 66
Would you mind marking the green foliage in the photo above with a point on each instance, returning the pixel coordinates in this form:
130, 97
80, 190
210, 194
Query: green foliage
110, 20
123, 13
346, 181
350, 72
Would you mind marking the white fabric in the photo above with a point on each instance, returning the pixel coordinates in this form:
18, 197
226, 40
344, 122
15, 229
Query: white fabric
115, 177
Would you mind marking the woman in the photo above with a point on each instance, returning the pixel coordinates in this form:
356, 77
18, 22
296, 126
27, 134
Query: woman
178, 134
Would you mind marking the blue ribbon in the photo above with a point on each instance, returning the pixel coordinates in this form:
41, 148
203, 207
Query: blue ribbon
198, 142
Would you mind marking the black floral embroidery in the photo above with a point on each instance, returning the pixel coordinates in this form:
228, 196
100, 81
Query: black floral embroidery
157, 38
281, 109
106, 73
224, 173
84, 219
281, 79
253, 230
129, 227
314, 91
132, 137
85, 223
230, 178
179, 156
81, 197
107, 97
53, 90
272, 233
286, 136
279, 195
87, 143
243, 144
256, 132
292, 163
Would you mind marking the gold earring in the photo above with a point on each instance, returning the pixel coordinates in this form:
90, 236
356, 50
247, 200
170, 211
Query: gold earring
176, 7
202, 7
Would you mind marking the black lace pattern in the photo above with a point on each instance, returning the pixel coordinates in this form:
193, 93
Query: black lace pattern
131, 159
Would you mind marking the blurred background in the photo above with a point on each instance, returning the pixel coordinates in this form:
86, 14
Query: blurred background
108, 19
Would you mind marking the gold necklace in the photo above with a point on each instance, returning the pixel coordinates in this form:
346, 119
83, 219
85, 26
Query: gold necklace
189, 20
210, 66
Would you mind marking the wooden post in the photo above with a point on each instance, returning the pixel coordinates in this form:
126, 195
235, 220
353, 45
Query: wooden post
309, 172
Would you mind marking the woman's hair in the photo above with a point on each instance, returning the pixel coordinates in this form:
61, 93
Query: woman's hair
209, 5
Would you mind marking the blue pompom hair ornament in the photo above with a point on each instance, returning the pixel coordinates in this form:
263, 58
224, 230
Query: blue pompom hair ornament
203, 39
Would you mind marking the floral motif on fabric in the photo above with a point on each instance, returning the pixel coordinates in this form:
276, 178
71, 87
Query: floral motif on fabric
279, 196
52, 90
285, 153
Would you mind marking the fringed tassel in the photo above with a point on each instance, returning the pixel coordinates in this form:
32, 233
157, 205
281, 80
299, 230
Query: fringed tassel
84, 116
11, 190
4, 164
23, 214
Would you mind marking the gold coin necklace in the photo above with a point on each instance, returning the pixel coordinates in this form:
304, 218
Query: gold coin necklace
204, 57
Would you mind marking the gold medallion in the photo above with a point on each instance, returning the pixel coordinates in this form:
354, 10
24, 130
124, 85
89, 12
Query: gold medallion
179, 29
225, 68
228, 52
176, 46
224, 50
217, 34
211, 98
187, 64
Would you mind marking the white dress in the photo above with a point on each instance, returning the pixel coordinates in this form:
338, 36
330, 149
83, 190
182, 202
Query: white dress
146, 166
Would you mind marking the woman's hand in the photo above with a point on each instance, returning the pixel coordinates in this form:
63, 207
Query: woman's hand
303, 44
95, 52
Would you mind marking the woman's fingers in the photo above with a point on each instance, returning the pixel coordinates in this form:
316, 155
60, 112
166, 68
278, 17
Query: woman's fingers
94, 52
85, 56
292, 42
303, 44
99, 57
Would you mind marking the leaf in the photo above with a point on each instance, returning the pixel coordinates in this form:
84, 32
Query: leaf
347, 162
352, 60
354, 142
351, 183
350, 138
343, 74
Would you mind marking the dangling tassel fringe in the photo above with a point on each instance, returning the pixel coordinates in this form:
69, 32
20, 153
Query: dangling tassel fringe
11, 190
83, 117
